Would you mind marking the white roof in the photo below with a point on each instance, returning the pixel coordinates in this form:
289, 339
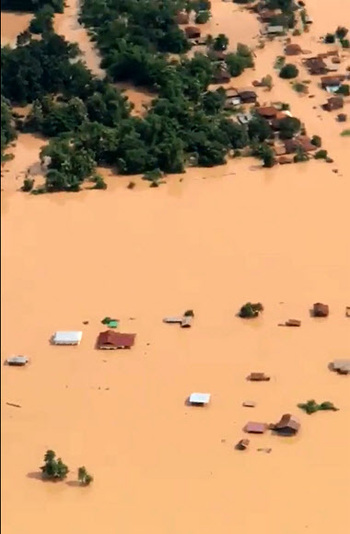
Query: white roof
17, 359
199, 398
73, 336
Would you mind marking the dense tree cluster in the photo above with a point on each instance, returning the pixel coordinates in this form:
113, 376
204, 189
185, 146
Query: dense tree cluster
8, 132
31, 5
89, 121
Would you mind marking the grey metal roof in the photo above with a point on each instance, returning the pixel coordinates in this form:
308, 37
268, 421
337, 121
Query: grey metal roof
341, 365
200, 398
186, 321
275, 29
172, 320
67, 337
17, 360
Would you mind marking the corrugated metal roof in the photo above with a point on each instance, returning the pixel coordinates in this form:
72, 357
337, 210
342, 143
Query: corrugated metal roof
200, 398
72, 337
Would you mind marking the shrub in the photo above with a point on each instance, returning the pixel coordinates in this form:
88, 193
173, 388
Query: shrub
316, 140
202, 17
289, 71
189, 313
311, 406
300, 156
345, 133
344, 89
250, 310
345, 43
321, 154
99, 182
280, 61
330, 38
267, 82
131, 185
28, 184
300, 87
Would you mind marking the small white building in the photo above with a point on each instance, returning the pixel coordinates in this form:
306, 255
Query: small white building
199, 399
72, 337
17, 360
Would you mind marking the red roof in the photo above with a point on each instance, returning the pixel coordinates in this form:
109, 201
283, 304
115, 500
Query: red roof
112, 339
269, 112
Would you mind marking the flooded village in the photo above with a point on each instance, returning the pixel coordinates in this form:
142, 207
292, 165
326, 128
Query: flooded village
225, 359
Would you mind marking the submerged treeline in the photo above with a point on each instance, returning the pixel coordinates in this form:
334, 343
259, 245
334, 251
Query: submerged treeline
89, 120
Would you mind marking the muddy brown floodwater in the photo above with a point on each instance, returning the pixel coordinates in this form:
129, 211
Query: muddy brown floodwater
209, 240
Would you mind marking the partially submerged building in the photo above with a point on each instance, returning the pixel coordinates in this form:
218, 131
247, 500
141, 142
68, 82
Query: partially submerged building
258, 377
255, 428
341, 366
320, 310
199, 399
18, 361
301, 142
293, 49
68, 337
111, 340
287, 426
192, 32
334, 103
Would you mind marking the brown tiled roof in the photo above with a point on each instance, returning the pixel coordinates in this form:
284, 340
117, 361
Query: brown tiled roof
268, 112
192, 31
332, 80
293, 50
255, 428
182, 18
115, 339
299, 142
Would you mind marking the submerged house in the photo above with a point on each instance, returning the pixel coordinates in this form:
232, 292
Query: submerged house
199, 399
71, 337
18, 361
316, 66
247, 95
258, 377
192, 32
341, 366
302, 142
320, 310
182, 18
111, 340
333, 103
255, 428
287, 426
332, 82
293, 49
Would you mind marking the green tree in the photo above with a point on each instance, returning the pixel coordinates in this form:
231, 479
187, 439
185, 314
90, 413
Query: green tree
329, 38
84, 477
53, 469
202, 17
43, 20
288, 71
8, 132
259, 129
221, 42
288, 127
